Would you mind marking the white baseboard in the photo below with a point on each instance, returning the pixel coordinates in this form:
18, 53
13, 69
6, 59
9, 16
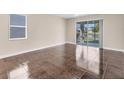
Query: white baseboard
35, 49
120, 50
71, 43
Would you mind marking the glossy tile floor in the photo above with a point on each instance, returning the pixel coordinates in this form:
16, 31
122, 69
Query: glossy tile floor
64, 62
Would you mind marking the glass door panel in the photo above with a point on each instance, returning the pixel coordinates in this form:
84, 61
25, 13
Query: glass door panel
81, 32
93, 33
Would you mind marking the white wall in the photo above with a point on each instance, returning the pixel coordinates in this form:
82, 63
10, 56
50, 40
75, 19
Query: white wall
123, 34
113, 29
43, 31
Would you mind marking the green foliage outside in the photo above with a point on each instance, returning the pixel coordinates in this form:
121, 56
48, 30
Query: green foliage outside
84, 38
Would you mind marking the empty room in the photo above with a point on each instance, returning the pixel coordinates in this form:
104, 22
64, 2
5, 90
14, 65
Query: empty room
62, 46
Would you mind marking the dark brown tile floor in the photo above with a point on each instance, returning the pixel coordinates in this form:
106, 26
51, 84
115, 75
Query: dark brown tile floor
64, 62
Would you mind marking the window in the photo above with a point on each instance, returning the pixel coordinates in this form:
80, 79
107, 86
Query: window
17, 27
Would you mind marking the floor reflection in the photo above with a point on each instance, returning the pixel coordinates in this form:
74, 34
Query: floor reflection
88, 58
20, 72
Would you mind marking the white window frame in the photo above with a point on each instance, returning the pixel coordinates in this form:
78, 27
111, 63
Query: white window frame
19, 27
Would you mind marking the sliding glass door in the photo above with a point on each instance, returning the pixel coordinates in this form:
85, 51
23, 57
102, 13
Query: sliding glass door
89, 42
88, 33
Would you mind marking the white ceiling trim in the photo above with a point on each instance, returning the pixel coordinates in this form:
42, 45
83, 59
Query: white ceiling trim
69, 16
